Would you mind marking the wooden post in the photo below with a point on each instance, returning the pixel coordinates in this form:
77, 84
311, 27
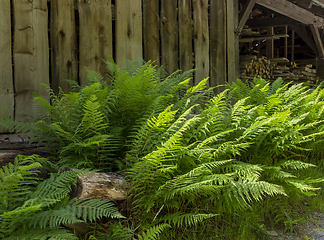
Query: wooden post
128, 30
320, 68
270, 42
218, 44
201, 37
232, 41
6, 80
292, 46
286, 42
63, 44
95, 39
169, 35
31, 55
151, 31
185, 35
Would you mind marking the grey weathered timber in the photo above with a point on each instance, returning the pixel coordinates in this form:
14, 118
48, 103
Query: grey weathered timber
169, 35
63, 44
6, 83
201, 39
218, 44
95, 40
151, 31
318, 41
302, 33
185, 35
128, 30
244, 15
30, 55
232, 41
292, 11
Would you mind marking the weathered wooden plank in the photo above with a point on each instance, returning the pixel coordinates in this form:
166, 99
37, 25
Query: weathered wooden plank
6, 80
270, 42
128, 30
244, 15
218, 44
318, 41
169, 35
302, 33
292, 11
276, 21
232, 41
151, 31
30, 54
95, 39
201, 39
63, 43
185, 35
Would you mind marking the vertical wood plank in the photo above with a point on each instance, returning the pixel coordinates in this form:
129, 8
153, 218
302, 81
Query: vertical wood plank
63, 43
128, 30
6, 80
292, 46
201, 37
232, 40
151, 30
285, 42
218, 44
169, 35
30, 54
270, 42
95, 39
185, 35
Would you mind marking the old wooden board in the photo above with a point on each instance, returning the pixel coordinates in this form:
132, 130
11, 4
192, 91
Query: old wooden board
30, 54
201, 38
6, 81
232, 41
185, 35
218, 44
169, 35
151, 31
128, 30
95, 39
63, 44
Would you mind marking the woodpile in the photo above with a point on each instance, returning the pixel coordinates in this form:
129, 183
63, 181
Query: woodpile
257, 67
271, 69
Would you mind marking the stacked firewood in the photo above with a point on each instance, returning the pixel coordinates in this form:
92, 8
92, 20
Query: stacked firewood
258, 68
305, 73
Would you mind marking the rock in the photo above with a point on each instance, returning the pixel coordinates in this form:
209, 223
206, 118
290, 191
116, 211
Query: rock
273, 233
110, 186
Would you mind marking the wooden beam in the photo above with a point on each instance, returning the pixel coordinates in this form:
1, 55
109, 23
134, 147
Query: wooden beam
185, 35
292, 46
292, 11
151, 31
6, 77
232, 40
318, 41
305, 3
244, 15
270, 42
268, 22
302, 33
218, 44
267, 37
286, 43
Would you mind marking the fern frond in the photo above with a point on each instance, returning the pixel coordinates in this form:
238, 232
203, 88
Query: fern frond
153, 232
181, 219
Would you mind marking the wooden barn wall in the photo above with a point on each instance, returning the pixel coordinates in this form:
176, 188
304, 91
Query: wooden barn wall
47, 41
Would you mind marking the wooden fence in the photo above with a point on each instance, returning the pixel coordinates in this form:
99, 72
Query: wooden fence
39, 38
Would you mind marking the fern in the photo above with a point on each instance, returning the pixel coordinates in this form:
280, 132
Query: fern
38, 213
